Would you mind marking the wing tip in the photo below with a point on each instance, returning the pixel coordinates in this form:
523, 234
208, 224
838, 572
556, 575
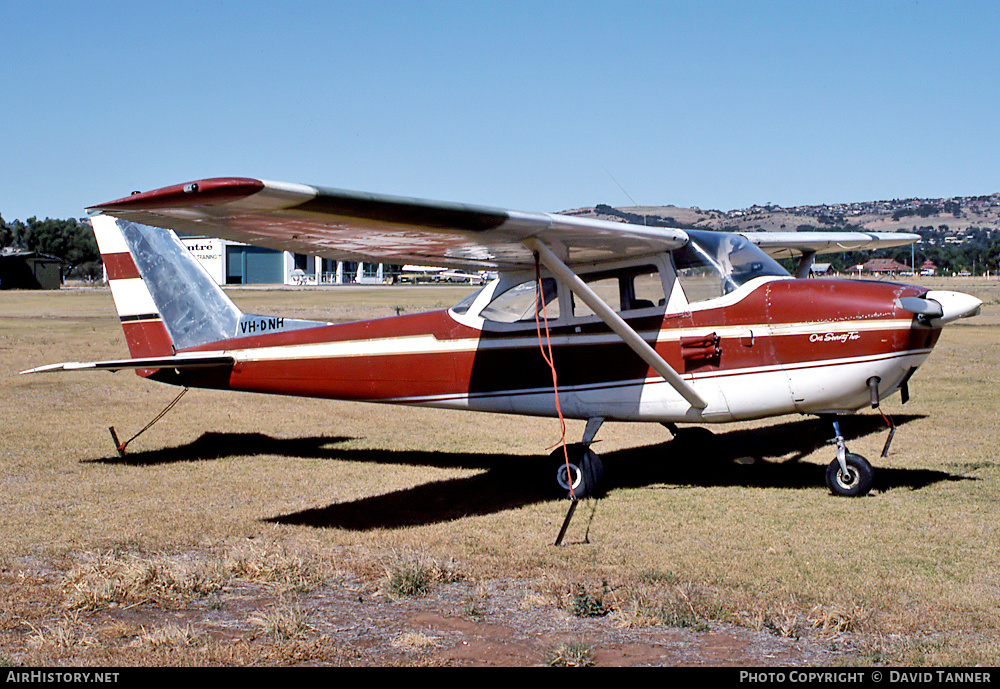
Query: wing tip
193, 360
203, 192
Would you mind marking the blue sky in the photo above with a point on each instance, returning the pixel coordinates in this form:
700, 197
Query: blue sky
524, 105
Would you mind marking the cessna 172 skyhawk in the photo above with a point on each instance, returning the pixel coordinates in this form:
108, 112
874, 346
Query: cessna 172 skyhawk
640, 323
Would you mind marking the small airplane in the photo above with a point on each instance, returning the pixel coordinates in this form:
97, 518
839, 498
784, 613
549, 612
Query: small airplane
587, 319
416, 274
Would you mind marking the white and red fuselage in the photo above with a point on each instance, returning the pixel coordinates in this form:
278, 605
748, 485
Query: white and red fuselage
774, 346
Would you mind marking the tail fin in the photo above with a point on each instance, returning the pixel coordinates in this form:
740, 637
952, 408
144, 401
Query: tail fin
165, 299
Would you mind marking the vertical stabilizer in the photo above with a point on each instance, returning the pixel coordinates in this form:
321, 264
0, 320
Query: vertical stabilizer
165, 299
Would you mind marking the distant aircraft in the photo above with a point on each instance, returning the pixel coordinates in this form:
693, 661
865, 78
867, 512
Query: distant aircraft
588, 319
437, 274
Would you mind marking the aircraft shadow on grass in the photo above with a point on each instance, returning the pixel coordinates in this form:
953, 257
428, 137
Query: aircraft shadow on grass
760, 458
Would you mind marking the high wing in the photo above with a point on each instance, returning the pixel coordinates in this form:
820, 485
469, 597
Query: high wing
792, 244
351, 225
359, 226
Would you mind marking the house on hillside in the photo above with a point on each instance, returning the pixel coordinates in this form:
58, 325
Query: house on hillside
29, 270
884, 266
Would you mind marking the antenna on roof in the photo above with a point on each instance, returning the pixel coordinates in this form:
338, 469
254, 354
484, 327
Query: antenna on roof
626, 194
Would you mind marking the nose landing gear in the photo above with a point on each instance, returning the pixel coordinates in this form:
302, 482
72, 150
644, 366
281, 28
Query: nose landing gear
578, 473
854, 479
849, 475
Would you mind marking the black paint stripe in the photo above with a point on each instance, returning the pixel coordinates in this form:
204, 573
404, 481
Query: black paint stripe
141, 317
394, 210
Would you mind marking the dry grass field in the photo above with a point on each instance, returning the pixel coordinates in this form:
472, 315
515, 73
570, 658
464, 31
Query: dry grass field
245, 529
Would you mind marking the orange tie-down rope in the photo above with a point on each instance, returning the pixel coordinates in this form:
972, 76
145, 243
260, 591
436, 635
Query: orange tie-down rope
549, 359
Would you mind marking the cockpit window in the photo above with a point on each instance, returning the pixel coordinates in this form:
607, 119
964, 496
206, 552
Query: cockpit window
713, 264
625, 289
520, 303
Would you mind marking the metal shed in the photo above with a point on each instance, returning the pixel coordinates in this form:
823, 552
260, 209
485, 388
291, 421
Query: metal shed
29, 270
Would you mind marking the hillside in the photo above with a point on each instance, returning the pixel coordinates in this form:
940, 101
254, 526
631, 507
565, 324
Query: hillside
950, 216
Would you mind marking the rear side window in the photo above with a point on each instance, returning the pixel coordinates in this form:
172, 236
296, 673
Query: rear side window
626, 289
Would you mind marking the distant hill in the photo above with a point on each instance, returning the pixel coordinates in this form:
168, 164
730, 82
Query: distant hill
955, 216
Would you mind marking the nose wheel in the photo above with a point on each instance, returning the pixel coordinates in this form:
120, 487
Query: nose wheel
854, 480
849, 475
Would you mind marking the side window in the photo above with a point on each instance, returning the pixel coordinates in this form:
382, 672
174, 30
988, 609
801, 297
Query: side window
520, 303
647, 288
606, 287
462, 307
628, 289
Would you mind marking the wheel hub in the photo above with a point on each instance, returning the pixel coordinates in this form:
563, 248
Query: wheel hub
848, 479
570, 477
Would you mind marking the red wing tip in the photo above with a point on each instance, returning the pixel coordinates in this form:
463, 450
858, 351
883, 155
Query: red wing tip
204, 192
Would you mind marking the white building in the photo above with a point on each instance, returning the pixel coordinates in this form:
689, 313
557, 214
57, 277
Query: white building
233, 263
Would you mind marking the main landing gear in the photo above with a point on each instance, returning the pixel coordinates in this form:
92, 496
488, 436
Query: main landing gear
849, 474
578, 473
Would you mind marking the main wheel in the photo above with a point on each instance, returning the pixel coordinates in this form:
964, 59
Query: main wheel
856, 482
581, 476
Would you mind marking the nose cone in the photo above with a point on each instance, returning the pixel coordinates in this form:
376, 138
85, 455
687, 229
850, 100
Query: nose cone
954, 305
938, 307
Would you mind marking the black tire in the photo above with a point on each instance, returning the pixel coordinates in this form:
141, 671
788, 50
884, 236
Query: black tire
584, 475
858, 480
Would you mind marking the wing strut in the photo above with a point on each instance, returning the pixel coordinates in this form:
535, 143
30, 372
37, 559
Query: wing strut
805, 264
615, 322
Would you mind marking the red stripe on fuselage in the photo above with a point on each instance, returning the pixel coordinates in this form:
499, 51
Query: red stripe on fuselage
435, 323
358, 378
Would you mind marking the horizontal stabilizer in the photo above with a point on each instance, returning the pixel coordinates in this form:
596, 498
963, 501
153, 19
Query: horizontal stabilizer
199, 360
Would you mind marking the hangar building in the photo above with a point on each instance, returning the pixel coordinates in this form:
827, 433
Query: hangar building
233, 263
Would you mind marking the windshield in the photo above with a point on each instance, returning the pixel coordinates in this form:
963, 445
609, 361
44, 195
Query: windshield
521, 303
463, 306
713, 264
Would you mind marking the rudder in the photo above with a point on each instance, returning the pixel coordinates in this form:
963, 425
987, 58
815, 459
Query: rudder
145, 332
164, 298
